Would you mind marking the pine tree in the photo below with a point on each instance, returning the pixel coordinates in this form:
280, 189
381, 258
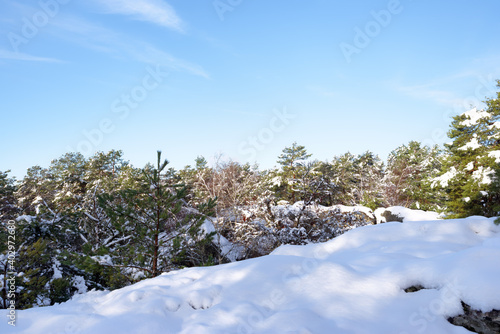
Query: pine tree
470, 175
293, 163
368, 174
318, 185
162, 231
407, 176
344, 170
293, 156
61, 213
8, 202
8, 211
104, 173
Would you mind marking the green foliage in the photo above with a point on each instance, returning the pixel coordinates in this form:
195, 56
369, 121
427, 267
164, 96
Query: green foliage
293, 157
35, 263
471, 172
368, 174
104, 223
343, 170
97, 275
294, 171
407, 181
8, 203
155, 221
60, 290
355, 180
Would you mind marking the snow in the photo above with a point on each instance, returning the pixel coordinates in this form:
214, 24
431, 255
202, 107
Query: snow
25, 217
470, 166
103, 259
473, 116
473, 144
285, 209
352, 284
495, 125
407, 214
79, 284
358, 208
445, 178
483, 175
56, 268
495, 155
229, 250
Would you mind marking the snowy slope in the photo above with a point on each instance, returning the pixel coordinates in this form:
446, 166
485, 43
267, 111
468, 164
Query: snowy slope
351, 284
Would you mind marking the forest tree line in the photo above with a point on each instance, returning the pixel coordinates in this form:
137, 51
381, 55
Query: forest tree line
101, 223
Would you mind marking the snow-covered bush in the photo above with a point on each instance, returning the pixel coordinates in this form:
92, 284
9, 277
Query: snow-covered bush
260, 229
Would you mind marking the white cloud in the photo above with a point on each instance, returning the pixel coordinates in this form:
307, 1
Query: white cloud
104, 40
428, 92
149, 54
6, 54
153, 11
465, 87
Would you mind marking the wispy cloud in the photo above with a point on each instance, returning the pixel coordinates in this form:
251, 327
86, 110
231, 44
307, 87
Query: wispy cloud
6, 54
149, 54
153, 11
475, 81
432, 93
104, 40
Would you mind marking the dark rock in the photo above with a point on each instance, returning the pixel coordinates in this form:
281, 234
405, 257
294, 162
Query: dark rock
414, 288
391, 217
477, 321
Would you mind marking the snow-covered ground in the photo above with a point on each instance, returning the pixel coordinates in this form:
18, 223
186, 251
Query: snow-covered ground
352, 284
406, 214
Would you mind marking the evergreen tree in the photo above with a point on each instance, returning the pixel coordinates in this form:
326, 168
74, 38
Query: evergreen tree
368, 174
61, 217
8, 202
8, 211
41, 244
293, 168
470, 174
344, 177
104, 173
162, 231
318, 185
407, 176
35, 191
293, 157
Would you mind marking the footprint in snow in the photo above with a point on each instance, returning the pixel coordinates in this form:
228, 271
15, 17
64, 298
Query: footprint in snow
203, 299
135, 296
172, 304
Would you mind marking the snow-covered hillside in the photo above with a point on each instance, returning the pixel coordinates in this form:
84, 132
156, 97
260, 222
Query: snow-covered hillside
352, 284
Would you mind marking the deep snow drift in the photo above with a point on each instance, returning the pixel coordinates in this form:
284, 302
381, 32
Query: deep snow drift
352, 284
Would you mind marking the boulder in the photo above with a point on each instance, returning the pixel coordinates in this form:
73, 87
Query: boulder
477, 321
472, 320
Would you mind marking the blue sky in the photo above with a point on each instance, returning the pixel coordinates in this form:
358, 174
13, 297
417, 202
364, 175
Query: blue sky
240, 78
